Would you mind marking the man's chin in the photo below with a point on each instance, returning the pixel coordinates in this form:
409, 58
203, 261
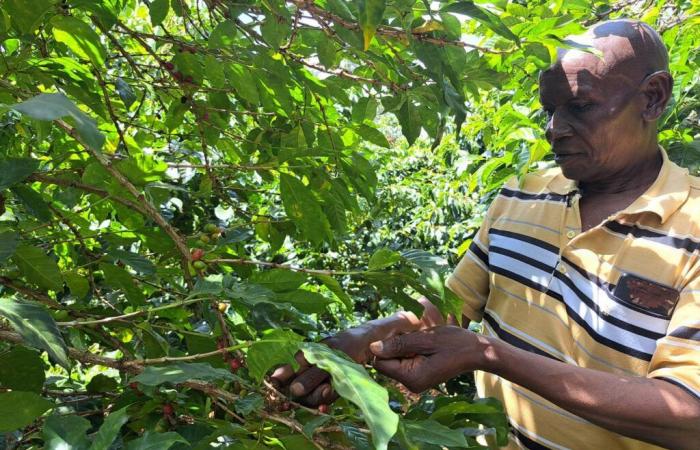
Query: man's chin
572, 172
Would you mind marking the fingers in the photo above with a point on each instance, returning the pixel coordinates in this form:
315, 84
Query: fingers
283, 375
392, 368
403, 346
305, 383
411, 372
322, 395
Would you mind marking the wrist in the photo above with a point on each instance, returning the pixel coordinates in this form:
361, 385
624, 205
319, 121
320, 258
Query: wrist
491, 352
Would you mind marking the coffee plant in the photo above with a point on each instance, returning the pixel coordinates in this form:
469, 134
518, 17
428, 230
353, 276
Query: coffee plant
192, 192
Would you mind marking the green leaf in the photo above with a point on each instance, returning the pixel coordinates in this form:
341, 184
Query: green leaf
491, 20
303, 208
156, 441
125, 92
371, 14
80, 38
326, 53
56, 106
109, 430
19, 409
279, 280
37, 328
353, 383
101, 383
66, 432
33, 201
306, 301
134, 260
224, 35
78, 284
121, 280
273, 31
334, 286
8, 243
382, 258
373, 135
248, 404
275, 348
39, 268
22, 369
158, 10
27, 15
181, 372
241, 79
432, 432
410, 121
14, 170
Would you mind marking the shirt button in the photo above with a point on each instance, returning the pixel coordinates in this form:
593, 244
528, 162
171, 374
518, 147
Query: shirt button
570, 234
561, 268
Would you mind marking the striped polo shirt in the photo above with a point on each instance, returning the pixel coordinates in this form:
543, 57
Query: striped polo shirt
622, 297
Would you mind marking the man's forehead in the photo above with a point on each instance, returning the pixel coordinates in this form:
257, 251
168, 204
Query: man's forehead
581, 72
579, 76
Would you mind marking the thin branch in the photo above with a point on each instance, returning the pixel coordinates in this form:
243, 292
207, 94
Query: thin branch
256, 262
395, 33
131, 315
87, 188
38, 296
146, 206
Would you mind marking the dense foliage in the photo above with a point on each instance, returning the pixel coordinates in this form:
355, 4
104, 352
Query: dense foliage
192, 191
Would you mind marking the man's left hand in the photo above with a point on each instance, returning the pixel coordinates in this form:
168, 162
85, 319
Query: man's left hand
423, 359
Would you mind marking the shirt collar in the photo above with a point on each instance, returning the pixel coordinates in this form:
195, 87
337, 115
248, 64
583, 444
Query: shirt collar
666, 194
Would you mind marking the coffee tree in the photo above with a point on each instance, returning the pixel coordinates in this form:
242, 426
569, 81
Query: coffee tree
194, 191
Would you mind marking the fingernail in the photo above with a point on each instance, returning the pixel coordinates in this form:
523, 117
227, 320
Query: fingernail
376, 346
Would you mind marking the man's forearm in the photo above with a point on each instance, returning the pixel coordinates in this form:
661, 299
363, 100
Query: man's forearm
646, 409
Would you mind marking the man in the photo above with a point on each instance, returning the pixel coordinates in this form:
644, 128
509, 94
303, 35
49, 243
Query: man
587, 277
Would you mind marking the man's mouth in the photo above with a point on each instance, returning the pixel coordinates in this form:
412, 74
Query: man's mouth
558, 157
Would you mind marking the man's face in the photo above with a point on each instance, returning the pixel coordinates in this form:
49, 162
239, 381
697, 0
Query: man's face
594, 116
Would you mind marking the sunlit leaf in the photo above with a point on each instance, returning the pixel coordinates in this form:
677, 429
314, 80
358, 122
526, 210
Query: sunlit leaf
80, 38
352, 382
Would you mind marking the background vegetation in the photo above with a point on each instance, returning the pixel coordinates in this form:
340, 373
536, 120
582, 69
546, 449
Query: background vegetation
193, 190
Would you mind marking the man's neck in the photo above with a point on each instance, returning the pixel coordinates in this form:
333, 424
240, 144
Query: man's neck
633, 180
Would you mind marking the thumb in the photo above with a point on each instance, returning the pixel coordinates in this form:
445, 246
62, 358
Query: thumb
401, 346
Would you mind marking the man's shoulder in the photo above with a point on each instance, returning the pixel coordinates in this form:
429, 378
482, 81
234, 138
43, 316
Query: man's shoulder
694, 185
692, 203
542, 181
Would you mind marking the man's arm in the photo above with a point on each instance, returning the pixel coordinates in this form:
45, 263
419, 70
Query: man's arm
647, 409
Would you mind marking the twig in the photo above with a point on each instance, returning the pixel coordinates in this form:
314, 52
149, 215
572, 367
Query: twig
87, 188
146, 206
124, 317
256, 262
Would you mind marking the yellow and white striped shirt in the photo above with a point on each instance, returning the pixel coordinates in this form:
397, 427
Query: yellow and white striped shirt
622, 297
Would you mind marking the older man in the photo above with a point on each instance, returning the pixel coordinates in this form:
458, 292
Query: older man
587, 277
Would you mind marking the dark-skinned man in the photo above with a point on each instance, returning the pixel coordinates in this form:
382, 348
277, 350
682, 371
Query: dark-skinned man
586, 277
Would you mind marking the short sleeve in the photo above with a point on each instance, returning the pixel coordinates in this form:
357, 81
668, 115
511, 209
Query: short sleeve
470, 279
677, 355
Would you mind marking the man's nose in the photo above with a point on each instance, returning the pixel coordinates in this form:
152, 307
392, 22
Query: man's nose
557, 128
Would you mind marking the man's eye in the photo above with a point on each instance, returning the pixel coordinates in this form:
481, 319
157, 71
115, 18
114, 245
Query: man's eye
580, 107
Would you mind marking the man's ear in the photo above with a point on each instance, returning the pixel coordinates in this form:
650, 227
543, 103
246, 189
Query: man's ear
657, 88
